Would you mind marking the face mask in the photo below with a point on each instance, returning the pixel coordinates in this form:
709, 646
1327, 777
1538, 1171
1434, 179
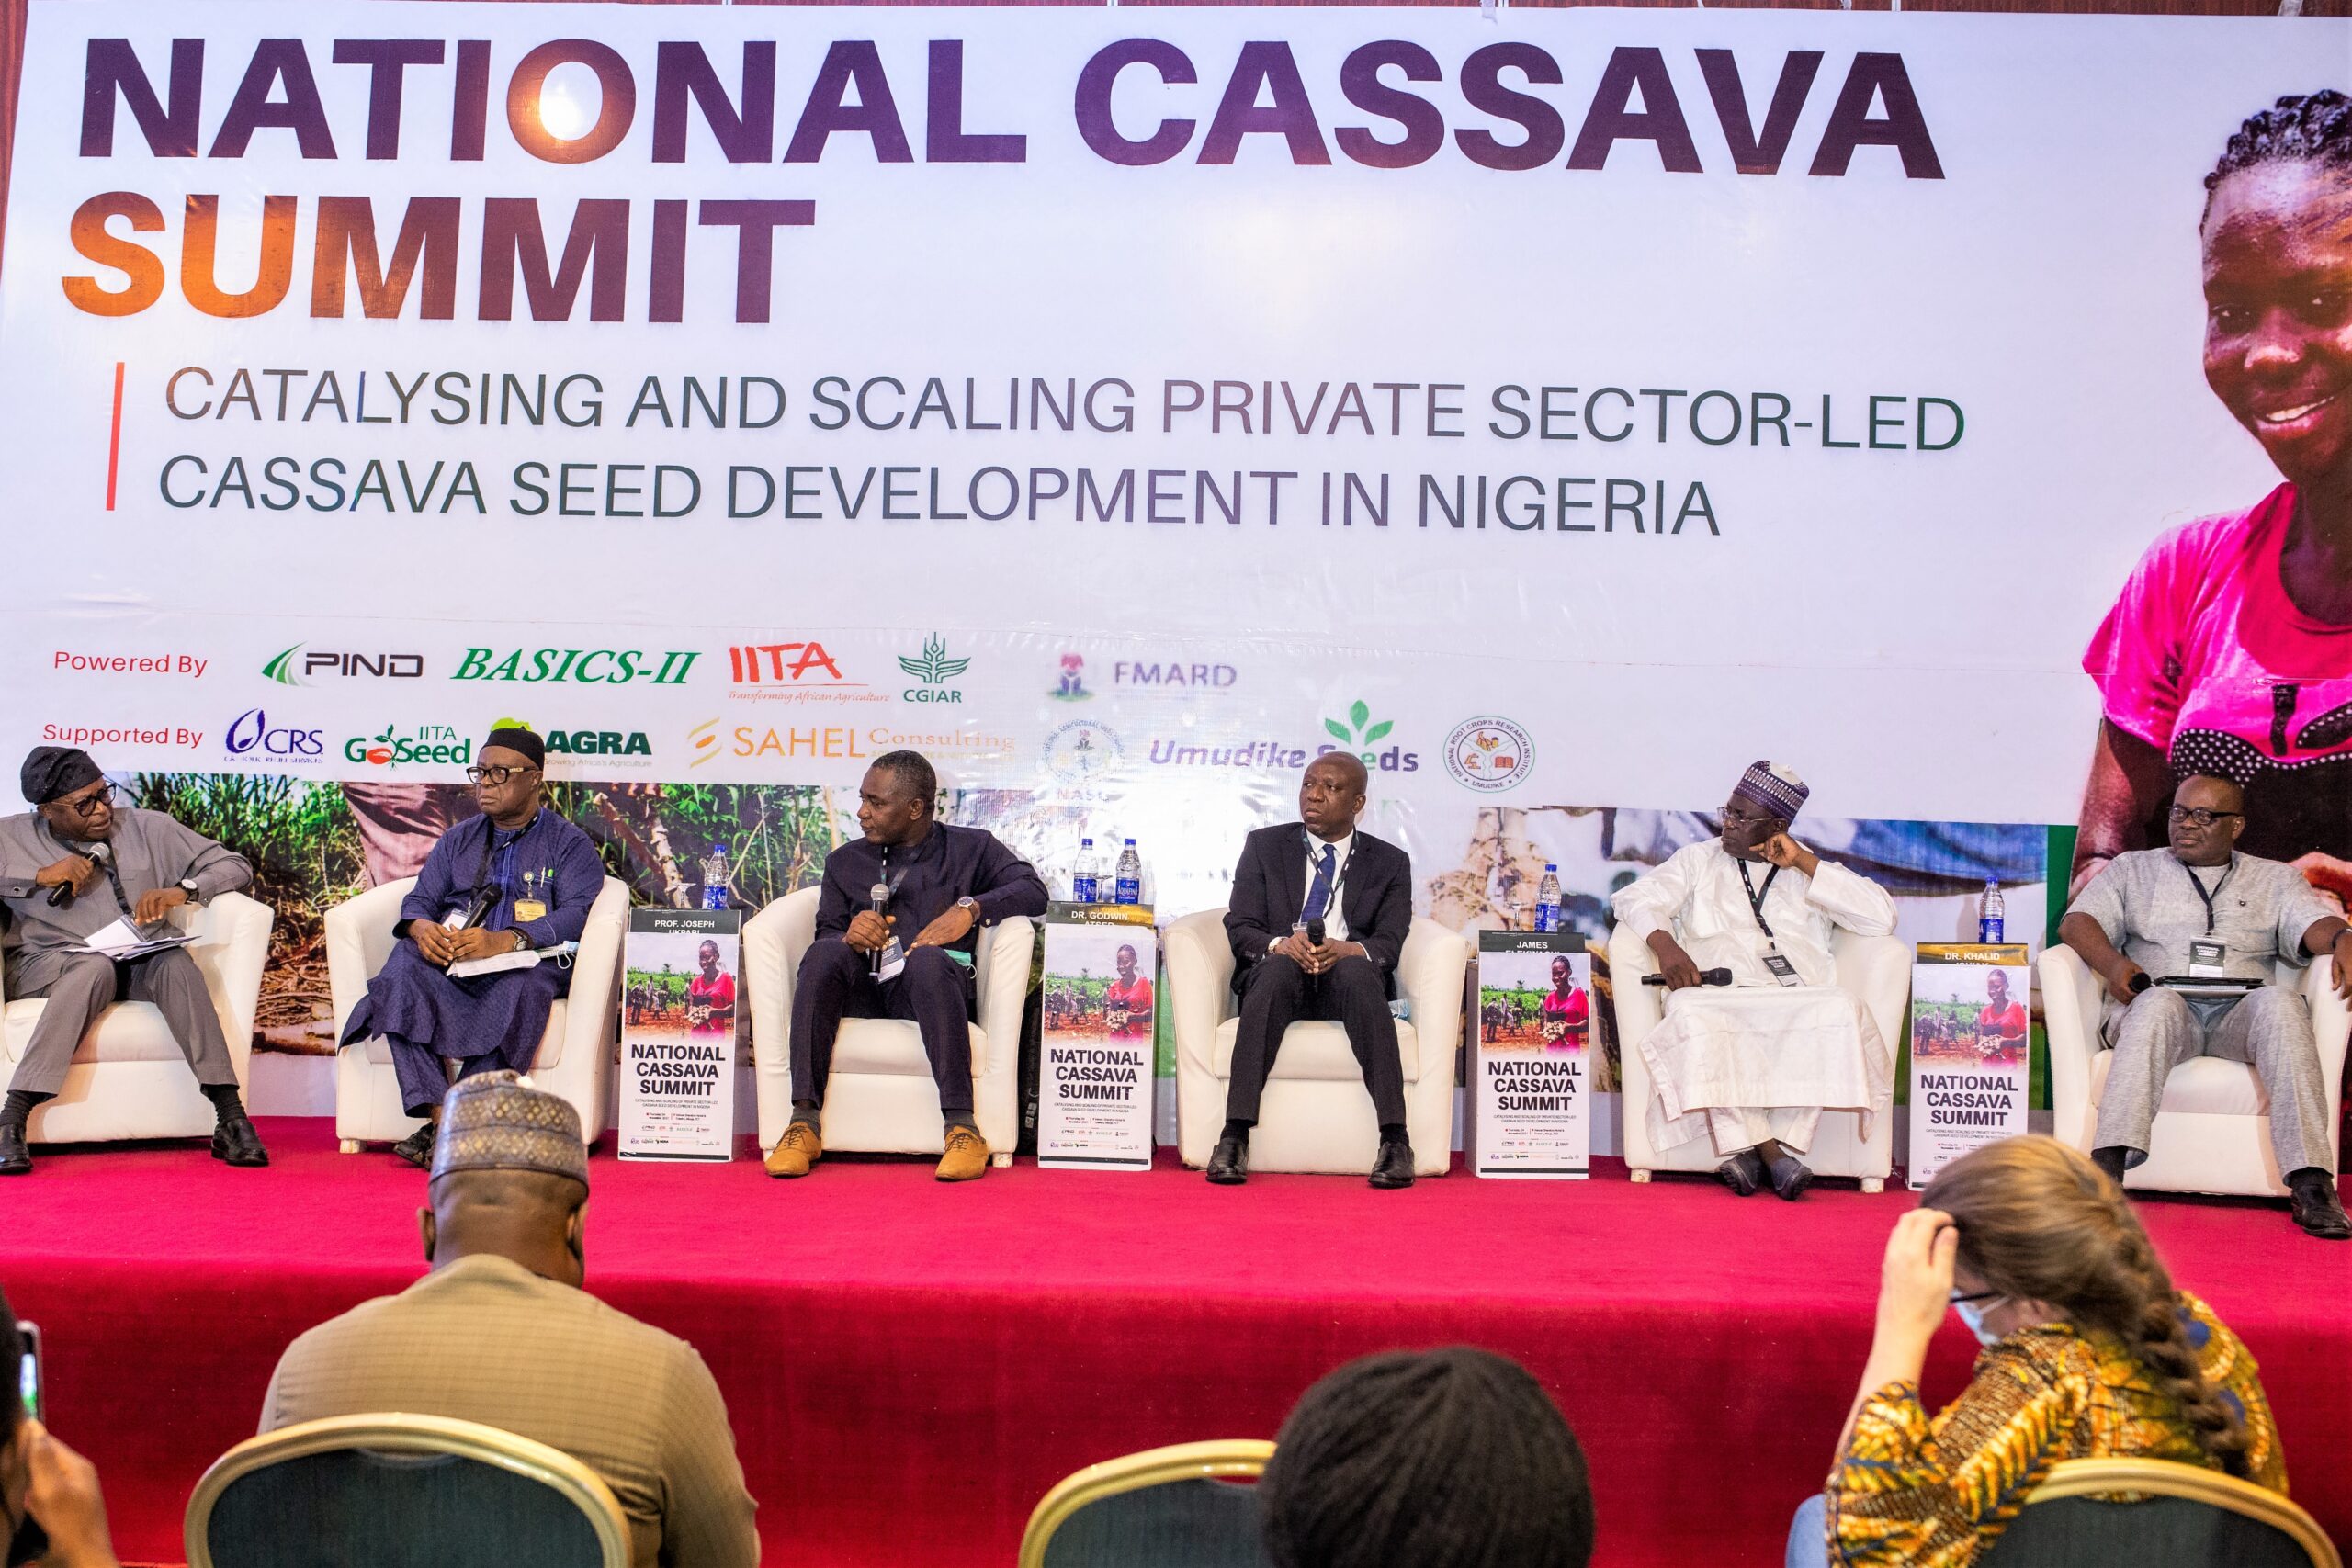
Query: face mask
1973, 1314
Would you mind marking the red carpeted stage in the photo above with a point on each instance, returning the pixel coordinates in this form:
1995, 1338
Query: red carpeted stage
908, 1366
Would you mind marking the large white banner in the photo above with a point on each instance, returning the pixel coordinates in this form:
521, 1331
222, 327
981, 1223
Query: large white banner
1560, 408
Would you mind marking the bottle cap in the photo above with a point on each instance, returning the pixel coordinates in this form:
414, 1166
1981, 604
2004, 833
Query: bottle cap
1086, 843
719, 847
1131, 843
1549, 865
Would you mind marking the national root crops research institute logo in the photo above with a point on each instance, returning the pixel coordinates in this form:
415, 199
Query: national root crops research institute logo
1488, 754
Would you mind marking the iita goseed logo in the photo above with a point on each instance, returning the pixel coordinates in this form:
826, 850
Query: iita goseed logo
1490, 755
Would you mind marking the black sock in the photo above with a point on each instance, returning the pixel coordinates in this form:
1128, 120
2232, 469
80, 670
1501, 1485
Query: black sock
804, 1110
1393, 1132
954, 1119
224, 1099
18, 1107
2307, 1175
1235, 1128
2111, 1160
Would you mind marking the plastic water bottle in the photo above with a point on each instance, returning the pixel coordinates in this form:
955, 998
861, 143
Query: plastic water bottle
1547, 899
1083, 875
715, 875
1989, 912
1127, 882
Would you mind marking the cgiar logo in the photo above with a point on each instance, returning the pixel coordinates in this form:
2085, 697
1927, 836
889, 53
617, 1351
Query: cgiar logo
1359, 734
1488, 753
935, 670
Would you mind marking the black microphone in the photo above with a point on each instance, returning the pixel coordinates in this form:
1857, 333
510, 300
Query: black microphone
99, 854
1315, 933
880, 894
1706, 977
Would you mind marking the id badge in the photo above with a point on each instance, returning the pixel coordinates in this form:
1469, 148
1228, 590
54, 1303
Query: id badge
457, 919
1782, 970
894, 958
2208, 960
529, 909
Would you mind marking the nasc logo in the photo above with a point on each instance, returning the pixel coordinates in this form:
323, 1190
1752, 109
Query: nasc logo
1082, 752
435, 745
251, 738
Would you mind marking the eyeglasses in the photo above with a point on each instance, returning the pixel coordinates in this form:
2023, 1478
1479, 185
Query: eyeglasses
88, 805
2198, 816
1735, 812
1960, 1296
494, 775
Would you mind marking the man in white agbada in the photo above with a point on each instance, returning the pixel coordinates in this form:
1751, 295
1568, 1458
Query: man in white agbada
1753, 1065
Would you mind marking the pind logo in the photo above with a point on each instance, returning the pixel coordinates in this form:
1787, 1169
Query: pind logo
1488, 753
1071, 687
935, 670
703, 740
292, 667
1361, 734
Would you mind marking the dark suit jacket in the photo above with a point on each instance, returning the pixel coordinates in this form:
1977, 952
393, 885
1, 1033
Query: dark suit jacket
1269, 885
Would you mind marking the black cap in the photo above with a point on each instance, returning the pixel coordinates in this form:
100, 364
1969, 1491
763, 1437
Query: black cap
54, 771
516, 738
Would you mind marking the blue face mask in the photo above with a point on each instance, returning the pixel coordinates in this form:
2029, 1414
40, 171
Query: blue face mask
1973, 1314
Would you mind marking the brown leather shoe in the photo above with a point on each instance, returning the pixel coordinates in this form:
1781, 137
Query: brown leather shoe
966, 1158
798, 1150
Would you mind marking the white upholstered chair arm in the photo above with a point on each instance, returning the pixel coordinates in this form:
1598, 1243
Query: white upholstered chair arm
1429, 973
1199, 984
1002, 979
1638, 1007
232, 949
2070, 1010
2331, 1028
359, 939
1877, 970
596, 973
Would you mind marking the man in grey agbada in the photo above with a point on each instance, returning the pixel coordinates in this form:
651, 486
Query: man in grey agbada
111, 864
2200, 910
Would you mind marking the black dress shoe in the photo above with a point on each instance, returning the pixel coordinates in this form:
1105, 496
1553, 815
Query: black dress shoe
417, 1147
16, 1155
1229, 1163
1742, 1173
1791, 1177
2314, 1205
1395, 1167
235, 1140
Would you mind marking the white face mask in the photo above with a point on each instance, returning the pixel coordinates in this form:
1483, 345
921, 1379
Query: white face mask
1973, 1314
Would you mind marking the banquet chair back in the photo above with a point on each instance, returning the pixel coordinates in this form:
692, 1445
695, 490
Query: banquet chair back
1190, 1505
2190, 1517
395, 1491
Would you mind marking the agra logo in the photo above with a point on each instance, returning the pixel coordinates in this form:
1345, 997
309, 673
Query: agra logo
935, 670
1488, 753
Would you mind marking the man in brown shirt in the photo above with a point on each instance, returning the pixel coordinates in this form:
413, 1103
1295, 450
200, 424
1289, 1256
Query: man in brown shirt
500, 1332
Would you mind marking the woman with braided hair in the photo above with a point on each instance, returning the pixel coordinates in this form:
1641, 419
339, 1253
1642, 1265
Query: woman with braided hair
2089, 1353
2229, 649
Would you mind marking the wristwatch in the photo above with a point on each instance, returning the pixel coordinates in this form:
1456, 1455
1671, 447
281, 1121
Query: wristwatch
968, 902
187, 886
521, 938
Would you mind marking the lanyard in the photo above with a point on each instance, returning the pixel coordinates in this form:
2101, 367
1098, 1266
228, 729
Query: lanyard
1338, 875
490, 846
2199, 883
1756, 897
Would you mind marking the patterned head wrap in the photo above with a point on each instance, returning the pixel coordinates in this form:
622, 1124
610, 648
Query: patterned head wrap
54, 771
1774, 787
498, 1122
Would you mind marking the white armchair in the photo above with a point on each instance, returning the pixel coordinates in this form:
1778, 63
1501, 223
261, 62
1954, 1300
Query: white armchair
1875, 968
1316, 1115
2212, 1127
129, 1078
880, 1097
575, 1057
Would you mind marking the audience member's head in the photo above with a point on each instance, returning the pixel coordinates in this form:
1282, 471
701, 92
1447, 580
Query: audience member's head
47, 1491
2041, 1227
1441, 1458
509, 1177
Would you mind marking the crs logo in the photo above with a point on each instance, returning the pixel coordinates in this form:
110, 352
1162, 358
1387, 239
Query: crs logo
1488, 753
251, 738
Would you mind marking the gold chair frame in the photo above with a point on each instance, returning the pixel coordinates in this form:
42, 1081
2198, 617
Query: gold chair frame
2103, 1477
392, 1432
1223, 1459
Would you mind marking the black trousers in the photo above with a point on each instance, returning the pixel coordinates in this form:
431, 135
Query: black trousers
837, 982
1278, 993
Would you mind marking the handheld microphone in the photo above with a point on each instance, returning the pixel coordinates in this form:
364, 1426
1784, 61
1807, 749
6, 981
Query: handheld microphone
2140, 982
99, 854
1315, 933
1706, 977
880, 894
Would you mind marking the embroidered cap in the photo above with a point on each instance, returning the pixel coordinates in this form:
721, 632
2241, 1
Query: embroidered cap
1774, 787
498, 1122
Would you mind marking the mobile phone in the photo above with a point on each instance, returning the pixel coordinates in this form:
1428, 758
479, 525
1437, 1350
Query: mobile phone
28, 1371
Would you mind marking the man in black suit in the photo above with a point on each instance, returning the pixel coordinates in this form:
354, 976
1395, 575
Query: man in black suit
1318, 872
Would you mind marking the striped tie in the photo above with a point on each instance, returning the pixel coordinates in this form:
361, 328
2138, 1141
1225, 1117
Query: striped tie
1318, 897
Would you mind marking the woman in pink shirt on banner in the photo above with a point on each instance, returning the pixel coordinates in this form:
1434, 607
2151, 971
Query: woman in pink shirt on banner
2230, 651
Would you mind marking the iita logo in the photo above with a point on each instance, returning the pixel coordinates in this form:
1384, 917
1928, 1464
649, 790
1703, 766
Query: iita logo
1490, 755
1362, 736
935, 670
1071, 687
